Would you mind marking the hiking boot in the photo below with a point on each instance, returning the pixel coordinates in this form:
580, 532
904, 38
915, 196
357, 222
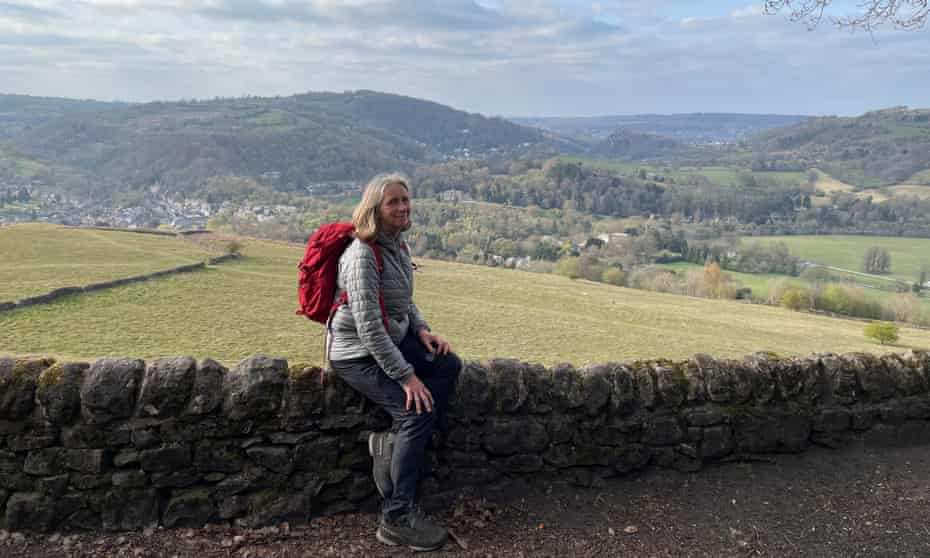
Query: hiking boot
413, 530
380, 447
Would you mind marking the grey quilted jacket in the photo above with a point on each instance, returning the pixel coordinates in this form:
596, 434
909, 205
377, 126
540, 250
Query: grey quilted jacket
356, 329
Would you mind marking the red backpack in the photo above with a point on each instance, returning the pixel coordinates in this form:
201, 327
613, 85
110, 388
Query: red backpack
319, 269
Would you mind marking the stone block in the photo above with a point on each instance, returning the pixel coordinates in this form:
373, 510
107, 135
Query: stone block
279, 459
175, 479
87, 460
109, 389
319, 455
129, 479
44, 462
662, 430
30, 511
59, 392
702, 416
166, 387
567, 387
207, 391
716, 442
832, 420
508, 385
671, 383
473, 393
520, 463
595, 383
18, 380
166, 459
128, 509
255, 388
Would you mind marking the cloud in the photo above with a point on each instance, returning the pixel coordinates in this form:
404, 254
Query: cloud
494, 56
27, 12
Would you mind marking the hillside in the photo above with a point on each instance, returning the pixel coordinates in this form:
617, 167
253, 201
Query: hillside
687, 128
884, 147
246, 306
289, 142
21, 113
630, 145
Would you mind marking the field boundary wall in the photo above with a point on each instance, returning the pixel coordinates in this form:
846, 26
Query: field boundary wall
121, 444
58, 293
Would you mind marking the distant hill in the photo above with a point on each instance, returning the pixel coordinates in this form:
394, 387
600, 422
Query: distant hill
687, 128
883, 147
295, 140
21, 113
627, 144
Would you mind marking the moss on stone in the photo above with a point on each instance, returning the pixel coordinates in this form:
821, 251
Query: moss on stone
740, 410
51, 376
23, 366
303, 370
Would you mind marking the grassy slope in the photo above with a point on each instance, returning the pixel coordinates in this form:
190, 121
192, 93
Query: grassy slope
38, 258
241, 308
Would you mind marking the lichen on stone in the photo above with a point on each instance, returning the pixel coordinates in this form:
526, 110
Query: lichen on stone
302, 370
51, 376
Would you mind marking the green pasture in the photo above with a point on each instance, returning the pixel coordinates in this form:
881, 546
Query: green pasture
908, 255
247, 306
38, 258
720, 175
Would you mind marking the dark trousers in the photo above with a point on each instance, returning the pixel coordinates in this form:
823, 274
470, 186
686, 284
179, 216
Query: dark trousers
412, 431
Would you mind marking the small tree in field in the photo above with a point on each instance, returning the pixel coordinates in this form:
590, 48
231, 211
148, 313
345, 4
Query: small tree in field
233, 248
876, 260
883, 332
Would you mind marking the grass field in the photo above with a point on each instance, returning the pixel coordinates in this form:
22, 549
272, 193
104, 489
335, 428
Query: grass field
908, 255
914, 190
38, 258
245, 307
723, 176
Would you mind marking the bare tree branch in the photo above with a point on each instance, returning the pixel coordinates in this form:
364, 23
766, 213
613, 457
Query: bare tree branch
902, 14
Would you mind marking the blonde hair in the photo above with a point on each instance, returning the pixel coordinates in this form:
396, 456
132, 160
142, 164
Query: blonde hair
366, 218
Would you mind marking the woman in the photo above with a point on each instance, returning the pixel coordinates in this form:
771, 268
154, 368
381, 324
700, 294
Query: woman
389, 354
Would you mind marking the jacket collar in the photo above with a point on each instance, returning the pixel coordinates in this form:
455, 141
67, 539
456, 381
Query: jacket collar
391, 241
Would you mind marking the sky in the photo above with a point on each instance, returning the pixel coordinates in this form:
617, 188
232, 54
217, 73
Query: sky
496, 57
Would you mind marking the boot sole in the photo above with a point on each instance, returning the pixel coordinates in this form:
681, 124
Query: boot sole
384, 538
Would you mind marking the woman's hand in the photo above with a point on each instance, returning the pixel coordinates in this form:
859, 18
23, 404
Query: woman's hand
433, 343
418, 395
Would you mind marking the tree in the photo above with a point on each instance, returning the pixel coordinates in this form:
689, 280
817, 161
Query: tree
883, 332
876, 260
902, 14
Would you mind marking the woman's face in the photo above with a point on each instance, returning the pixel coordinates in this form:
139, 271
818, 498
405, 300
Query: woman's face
395, 208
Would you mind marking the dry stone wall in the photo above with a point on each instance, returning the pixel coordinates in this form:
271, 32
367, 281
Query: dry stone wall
120, 444
56, 294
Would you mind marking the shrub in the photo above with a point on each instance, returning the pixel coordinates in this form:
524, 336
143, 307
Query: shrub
233, 248
613, 276
569, 267
903, 307
710, 282
656, 279
847, 300
883, 332
796, 298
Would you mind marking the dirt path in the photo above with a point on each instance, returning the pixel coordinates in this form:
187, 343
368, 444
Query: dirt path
866, 503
